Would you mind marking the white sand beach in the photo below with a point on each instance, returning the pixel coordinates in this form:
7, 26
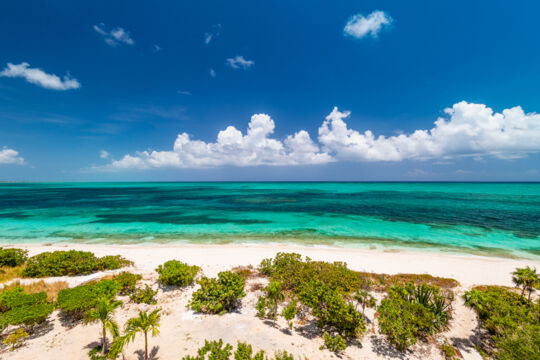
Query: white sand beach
183, 331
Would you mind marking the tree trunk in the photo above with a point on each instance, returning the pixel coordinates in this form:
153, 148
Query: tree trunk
103, 340
145, 346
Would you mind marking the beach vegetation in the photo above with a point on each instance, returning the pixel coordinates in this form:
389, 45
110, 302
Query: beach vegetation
449, 352
50, 288
143, 323
15, 339
267, 304
13, 257
334, 343
103, 313
144, 295
218, 295
78, 300
410, 312
127, 282
8, 273
527, 279
19, 308
289, 312
176, 273
511, 321
70, 263
364, 299
218, 350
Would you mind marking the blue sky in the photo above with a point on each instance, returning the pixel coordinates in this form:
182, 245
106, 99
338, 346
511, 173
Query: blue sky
133, 90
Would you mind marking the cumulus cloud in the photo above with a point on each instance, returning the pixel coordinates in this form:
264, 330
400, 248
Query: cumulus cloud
360, 26
115, 36
10, 156
238, 62
232, 147
39, 77
467, 130
208, 36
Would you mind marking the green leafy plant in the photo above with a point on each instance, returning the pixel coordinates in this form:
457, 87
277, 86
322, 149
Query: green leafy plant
72, 262
78, 300
244, 351
127, 282
143, 295
18, 307
103, 313
267, 304
449, 352
365, 299
331, 310
144, 323
13, 257
15, 339
334, 343
217, 296
512, 322
283, 355
174, 272
413, 311
289, 312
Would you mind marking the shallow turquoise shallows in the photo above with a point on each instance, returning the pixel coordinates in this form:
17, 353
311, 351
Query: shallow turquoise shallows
490, 218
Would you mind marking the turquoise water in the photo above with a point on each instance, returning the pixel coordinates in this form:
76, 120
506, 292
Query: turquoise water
490, 218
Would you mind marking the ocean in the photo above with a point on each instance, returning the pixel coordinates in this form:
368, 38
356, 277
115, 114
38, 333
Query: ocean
500, 219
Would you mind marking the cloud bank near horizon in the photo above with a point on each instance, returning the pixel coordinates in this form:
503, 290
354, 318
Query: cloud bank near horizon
10, 156
467, 130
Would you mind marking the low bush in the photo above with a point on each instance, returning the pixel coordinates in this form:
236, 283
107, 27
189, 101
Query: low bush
13, 257
8, 273
143, 295
217, 296
127, 282
217, 350
50, 288
331, 310
72, 262
449, 352
78, 300
289, 312
174, 272
334, 343
413, 311
267, 304
18, 307
513, 323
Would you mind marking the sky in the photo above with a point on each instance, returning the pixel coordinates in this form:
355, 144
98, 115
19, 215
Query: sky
269, 91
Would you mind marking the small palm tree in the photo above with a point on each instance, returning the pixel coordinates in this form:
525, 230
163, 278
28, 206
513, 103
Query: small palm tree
142, 324
527, 279
365, 299
103, 313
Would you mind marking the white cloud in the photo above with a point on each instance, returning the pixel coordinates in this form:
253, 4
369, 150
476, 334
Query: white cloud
469, 130
232, 147
39, 77
208, 36
104, 154
359, 26
184, 92
238, 62
10, 156
156, 48
212, 73
115, 36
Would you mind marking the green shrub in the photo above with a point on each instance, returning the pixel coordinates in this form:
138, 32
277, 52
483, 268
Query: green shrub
448, 351
513, 322
143, 295
18, 308
217, 350
13, 257
72, 262
127, 282
413, 311
335, 344
289, 312
76, 301
113, 262
331, 310
95, 354
176, 273
244, 351
217, 296
267, 304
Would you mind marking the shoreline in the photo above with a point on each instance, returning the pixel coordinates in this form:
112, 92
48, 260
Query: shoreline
469, 270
